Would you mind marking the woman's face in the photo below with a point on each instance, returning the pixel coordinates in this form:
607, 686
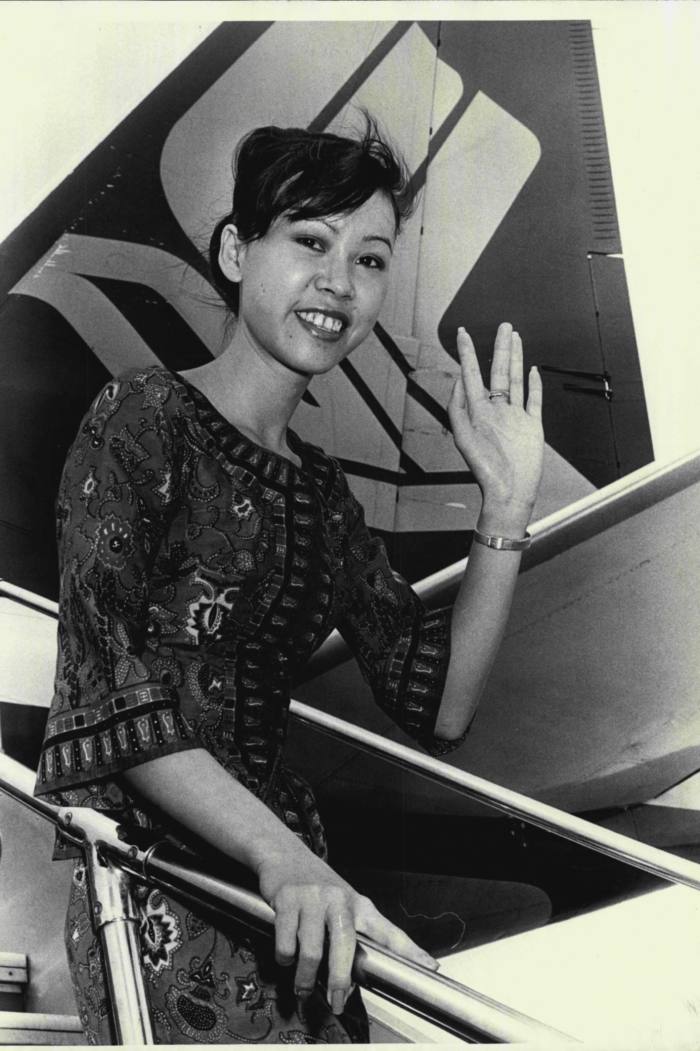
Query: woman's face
311, 289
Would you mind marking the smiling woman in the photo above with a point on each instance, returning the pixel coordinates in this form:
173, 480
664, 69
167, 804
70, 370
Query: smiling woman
313, 287
206, 552
315, 262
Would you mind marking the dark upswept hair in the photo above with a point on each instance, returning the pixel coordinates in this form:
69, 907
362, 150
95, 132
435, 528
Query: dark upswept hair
307, 175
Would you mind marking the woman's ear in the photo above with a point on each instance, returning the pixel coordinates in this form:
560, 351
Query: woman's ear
231, 250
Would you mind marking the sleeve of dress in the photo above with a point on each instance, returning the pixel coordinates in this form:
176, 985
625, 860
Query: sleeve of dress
402, 648
115, 498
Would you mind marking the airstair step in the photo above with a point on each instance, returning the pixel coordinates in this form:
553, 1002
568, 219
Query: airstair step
25, 1027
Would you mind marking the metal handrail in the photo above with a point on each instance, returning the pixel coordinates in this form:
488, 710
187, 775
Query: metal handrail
583, 519
568, 826
29, 598
552, 535
445, 1002
578, 522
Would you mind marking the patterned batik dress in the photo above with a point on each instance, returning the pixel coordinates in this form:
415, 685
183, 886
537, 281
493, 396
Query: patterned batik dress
199, 572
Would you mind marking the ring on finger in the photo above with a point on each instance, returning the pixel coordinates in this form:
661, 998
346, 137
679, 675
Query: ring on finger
498, 393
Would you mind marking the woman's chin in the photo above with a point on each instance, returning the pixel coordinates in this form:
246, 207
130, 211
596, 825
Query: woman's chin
317, 361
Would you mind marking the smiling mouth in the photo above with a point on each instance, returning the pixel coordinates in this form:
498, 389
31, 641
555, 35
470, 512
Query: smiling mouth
322, 324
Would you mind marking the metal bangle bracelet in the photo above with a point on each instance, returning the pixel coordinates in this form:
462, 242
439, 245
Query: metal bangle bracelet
502, 543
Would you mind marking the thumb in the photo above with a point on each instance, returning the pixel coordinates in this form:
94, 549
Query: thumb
391, 937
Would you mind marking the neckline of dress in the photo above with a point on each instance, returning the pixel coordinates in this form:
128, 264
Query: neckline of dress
295, 443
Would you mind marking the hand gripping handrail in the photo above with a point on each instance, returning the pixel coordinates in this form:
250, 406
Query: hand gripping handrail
614, 844
446, 1003
550, 536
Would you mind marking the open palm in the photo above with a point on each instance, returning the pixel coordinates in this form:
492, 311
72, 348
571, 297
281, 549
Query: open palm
499, 436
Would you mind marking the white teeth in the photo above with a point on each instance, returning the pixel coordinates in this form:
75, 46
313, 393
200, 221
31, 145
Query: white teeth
330, 324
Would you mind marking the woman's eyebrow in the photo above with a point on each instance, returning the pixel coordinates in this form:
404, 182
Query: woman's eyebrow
365, 239
379, 237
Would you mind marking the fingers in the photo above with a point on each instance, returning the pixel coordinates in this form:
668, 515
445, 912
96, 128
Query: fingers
506, 373
506, 370
286, 926
500, 366
341, 953
300, 933
516, 370
534, 394
301, 922
399, 942
312, 932
386, 933
472, 385
456, 403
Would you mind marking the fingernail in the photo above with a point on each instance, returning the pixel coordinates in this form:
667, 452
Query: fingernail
337, 1001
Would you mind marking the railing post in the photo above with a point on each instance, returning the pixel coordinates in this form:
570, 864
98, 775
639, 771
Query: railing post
117, 923
111, 859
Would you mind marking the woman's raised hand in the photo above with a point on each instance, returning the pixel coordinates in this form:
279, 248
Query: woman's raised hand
500, 437
316, 910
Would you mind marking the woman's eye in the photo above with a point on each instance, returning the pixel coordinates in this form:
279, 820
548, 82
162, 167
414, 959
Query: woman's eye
373, 262
307, 241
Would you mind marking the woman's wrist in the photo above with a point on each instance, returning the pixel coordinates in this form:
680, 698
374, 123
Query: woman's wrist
280, 851
508, 520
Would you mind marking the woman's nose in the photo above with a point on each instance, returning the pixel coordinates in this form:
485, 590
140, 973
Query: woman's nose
336, 277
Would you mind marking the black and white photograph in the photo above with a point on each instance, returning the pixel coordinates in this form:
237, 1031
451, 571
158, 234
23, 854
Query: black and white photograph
349, 544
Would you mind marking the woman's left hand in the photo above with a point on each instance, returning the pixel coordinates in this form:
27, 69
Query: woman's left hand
500, 437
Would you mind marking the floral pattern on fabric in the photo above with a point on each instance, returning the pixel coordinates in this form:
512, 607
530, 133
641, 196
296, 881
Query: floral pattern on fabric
160, 934
199, 572
204, 985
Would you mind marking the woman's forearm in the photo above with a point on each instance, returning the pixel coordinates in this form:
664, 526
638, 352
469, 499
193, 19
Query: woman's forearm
499, 434
479, 618
193, 788
312, 903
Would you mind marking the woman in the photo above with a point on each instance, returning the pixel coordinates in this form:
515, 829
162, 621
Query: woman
206, 551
